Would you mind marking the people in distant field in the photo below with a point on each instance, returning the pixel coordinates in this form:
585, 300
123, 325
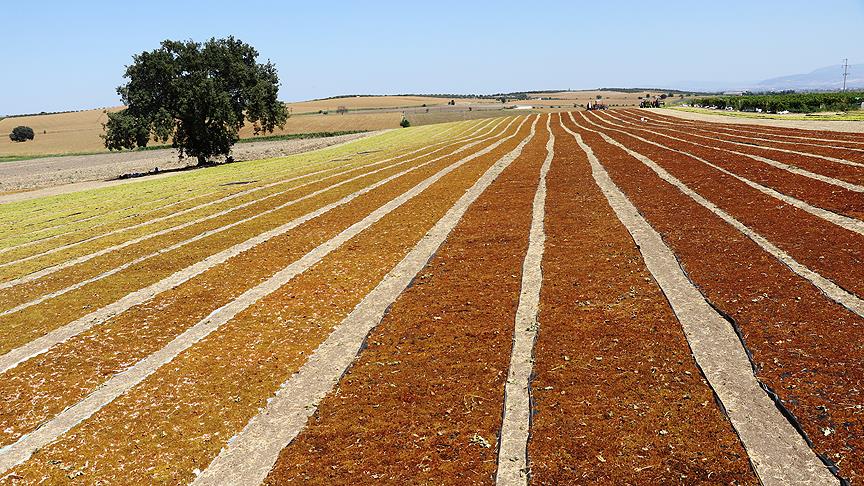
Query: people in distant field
649, 103
593, 105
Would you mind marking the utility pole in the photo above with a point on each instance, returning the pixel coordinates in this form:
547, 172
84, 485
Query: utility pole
845, 72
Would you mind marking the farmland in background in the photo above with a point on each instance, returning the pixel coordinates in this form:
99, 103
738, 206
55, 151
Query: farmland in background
455, 298
79, 132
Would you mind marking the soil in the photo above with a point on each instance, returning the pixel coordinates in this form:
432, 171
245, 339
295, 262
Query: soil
636, 409
805, 348
268, 196
179, 418
617, 396
98, 169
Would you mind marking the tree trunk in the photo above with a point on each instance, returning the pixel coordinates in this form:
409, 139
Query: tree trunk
202, 160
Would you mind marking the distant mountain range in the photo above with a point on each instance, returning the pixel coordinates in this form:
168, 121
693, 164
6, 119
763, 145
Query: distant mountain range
822, 79
827, 78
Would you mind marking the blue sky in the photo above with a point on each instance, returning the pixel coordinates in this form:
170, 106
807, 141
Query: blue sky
60, 55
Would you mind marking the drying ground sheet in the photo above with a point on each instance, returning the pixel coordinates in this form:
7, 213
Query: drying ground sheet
804, 240
253, 268
843, 199
423, 402
851, 139
17, 327
613, 368
853, 174
813, 142
74, 368
59, 212
240, 195
805, 348
185, 413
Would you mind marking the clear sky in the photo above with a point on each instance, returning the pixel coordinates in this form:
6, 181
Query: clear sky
61, 55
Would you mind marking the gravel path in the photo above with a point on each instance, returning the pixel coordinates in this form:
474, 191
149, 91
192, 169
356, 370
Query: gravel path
98, 170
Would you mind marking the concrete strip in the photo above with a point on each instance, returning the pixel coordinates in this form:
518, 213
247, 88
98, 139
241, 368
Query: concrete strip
774, 163
226, 227
513, 468
827, 287
117, 385
777, 451
61, 334
84, 258
845, 222
251, 454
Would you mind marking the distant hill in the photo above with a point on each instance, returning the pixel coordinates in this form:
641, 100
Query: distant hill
827, 78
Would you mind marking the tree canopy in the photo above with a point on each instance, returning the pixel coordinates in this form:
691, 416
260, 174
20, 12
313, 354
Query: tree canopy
198, 95
21, 134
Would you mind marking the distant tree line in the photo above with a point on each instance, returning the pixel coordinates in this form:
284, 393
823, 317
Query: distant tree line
21, 115
670, 91
786, 101
496, 96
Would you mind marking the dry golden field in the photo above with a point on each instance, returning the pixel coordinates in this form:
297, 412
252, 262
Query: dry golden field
79, 132
57, 133
568, 98
373, 102
334, 123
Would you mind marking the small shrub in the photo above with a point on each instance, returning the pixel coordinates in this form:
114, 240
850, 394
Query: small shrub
404, 123
21, 134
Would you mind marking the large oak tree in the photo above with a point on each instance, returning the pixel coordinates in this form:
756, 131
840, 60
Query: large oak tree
199, 95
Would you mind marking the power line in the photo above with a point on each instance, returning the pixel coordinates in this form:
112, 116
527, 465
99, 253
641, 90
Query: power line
845, 72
